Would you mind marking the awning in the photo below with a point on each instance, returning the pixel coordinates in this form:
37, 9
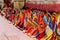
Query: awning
48, 7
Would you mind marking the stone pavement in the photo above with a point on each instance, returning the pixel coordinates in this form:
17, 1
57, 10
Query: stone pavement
10, 32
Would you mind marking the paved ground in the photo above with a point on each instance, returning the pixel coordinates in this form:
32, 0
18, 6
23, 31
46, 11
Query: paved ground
10, 32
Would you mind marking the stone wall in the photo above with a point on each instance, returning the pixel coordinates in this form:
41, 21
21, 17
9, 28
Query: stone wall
1, 2
18, 4
44, 1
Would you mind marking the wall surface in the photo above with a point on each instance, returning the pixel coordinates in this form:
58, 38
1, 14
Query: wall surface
18, 4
